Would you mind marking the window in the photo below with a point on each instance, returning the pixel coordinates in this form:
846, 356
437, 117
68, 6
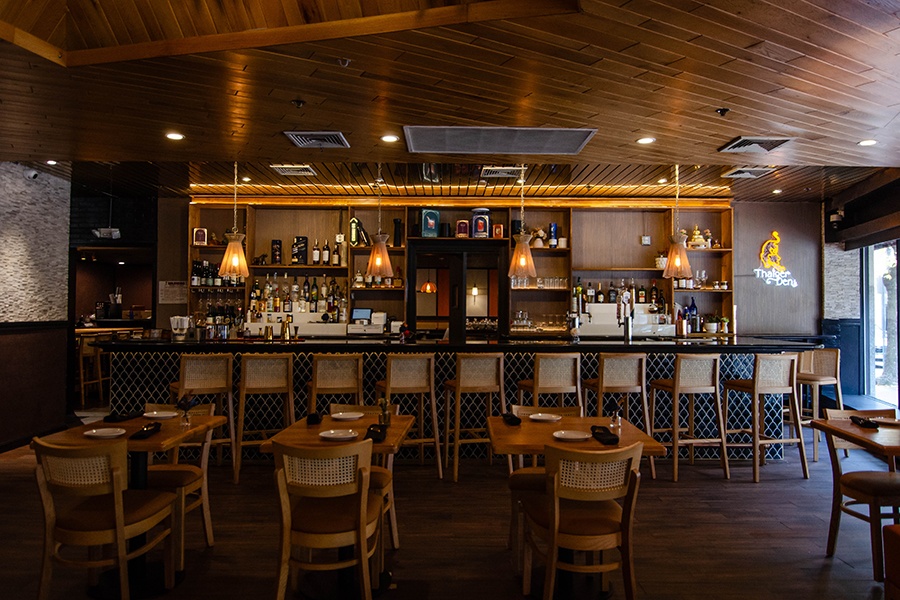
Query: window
881, 320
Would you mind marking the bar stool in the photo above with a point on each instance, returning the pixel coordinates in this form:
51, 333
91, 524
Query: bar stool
414, 374
334, 374
622, 374
475, 374
269, 374
694, 374
819, 367
89, 373
773, 374
554, 374
210, 374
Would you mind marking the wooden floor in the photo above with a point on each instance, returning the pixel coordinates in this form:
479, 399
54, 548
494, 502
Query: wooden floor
703, 537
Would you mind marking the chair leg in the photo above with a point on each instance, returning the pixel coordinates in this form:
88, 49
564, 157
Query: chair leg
447, 429
457, 401
239, 438
723, 445
877, 540
795, 408
527, 560
235, 451
835, 522
46, 566
177, 535
648, 429
628, 577
814, 392
754, 432
675, 436
122, 565
435, 434
550, 577
174, 550
204, 511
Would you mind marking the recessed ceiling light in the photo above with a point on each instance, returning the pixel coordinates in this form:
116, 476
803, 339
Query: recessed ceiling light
776, 191
646, 140
121, 262
662, 180
866, 142
174, 135
390, 138
51, 162
245, 179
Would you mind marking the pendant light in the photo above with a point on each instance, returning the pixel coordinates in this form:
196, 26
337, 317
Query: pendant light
429, 287
522, 264
379, 266
677, 264
234, 263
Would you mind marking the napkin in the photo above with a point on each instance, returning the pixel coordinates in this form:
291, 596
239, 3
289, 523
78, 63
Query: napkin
146, 431
863, 422
604, 435
376, 432
313, 418
118, 418
511, 419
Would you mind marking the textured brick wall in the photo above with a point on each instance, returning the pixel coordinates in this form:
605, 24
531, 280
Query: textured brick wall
841, 283
34, 246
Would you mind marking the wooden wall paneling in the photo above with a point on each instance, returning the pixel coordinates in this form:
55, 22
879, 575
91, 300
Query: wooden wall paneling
606, 239
284, 224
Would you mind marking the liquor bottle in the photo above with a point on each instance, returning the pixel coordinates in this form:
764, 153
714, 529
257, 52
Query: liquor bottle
323, 290
591, 293
287, 305
196, 266
295, 290
654, 292
579, 291
254, 293
326, 254
306, 287
611, 293
642, 295
336, 255
317, 254
267, 289
358, 279
314, 296
398, 278
600, 297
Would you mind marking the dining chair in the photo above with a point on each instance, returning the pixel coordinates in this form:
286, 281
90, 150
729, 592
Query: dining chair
86, 501
554, 373
326, 504
891, 562
335, 374
588, 508
189, 482
382, 474
874, 489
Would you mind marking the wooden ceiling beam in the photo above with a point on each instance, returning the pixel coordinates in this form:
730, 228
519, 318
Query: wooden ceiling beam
876, 181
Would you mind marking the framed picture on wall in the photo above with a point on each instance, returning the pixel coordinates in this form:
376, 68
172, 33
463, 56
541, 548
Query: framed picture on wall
199, 236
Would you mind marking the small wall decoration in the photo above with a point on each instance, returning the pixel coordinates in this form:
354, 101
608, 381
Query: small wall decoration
199, 236
771, 270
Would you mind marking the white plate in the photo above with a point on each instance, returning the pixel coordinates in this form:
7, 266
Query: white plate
347, 416
571, 435
107, 432
160, 415
549, 417
887, 421
339, 435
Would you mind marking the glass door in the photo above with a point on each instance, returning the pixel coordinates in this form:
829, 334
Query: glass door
882, 321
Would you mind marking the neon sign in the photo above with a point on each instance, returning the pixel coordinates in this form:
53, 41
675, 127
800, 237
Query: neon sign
771, 270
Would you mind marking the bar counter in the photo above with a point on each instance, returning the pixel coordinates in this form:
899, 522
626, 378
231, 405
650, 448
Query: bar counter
143, 369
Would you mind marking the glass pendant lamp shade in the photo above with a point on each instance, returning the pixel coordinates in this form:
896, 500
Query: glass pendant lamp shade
522, 263
234, 263
677, 264
379, 261
429, 287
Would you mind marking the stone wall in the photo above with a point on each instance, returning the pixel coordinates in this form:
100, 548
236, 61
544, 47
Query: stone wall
34, 246
842, 281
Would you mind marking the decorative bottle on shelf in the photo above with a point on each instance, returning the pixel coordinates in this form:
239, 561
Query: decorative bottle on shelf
326, 254
314, 296
316, 253
398, 278
591, 293
642, 295
306, 287
358, 281
600, 297
398, 233
654, 292
338, 250
611, 293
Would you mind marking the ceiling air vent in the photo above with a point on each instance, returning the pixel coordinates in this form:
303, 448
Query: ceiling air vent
754, 144
294, 170
501, 172
747, 172
496, 140
318, 139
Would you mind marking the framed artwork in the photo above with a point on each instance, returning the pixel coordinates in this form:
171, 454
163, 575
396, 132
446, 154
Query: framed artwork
199, 236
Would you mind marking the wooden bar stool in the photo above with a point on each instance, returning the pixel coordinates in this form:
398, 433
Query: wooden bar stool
210, 374
694, 374
818, 368
334, 374
773, 374
264, 374
414, 374
89, 373
554, 374
622, 374
475, 374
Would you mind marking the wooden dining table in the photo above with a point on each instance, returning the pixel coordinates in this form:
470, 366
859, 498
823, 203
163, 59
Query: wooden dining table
303, 434
530, 436
884, 441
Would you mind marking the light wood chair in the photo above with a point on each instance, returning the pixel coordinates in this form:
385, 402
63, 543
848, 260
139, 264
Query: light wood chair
87, 503
818, 368
694, 374
89, 370
413, 374
210, 374
187, 481
773, 374
382, 477
334, 374
326, 504
891, 562
263, 374
622, 374
475, 374
558, 374
581, 512
874, 489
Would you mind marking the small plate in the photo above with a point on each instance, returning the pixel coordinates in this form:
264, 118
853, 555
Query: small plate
106, 432
347, 416
339, 435
160, 415
549, 417
571, 435
889, 422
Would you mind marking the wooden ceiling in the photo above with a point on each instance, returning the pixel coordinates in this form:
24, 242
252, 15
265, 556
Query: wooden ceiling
102, 81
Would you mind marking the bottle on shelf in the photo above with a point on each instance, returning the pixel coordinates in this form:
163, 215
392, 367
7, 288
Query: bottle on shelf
306, 288
642, 295
654, 291
338, 250
591, 293
326, 253
358, 280
316, 253
600, 297
611, 293
578, 308
314, 296
398, 278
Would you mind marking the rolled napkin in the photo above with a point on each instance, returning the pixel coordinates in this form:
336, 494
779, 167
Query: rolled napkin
376, 432
604, 435
313, 419
146, 431
511, 419
118, 418
864, 422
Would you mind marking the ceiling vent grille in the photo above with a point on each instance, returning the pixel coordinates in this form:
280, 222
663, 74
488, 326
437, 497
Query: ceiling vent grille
496, 140
747, 172
501, 172
294, 170
754, 144
318, 139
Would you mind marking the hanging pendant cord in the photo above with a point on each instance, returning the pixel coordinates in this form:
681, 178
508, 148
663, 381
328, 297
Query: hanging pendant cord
234, 228
522, 199
677, 193
378, 183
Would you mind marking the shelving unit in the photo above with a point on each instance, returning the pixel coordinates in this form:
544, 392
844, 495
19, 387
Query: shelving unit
216, 219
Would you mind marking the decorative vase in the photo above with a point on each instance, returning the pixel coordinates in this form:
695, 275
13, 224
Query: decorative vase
711, 327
